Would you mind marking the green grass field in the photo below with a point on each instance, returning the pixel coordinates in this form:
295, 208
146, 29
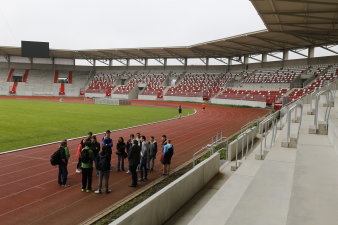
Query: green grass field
27, 123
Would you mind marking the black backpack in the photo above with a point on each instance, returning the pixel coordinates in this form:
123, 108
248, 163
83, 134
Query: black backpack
170, 152
85, 156
102, 163
55, 159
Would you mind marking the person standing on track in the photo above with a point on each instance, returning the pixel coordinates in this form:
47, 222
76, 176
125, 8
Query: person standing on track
138, 138
180, 111
168, 152
204, 106
96, 149
108, 142
78, 155
64, 157
134, 160
87, 157
144, 159
103, 166
121, 153
129, 144
153, 152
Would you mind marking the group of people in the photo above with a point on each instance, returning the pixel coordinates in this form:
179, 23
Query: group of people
139, 152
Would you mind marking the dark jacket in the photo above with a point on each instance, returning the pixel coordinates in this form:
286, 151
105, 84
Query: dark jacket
120, 148
63, 156
134, 155
128, 145
96, 148
104, 157
153, 149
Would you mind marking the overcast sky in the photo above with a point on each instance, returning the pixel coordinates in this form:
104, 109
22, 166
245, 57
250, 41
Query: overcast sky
99, 24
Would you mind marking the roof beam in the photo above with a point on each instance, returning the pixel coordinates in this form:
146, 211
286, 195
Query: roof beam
298, 12
329, 49
252, 46
227, 48
298, 52
311, 2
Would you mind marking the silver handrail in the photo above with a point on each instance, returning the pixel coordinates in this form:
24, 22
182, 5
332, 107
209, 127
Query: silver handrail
329, 100
297, 104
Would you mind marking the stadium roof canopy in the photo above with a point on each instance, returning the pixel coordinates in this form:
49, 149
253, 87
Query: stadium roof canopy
291, 24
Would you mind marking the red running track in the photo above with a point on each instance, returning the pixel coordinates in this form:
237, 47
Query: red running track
29, 193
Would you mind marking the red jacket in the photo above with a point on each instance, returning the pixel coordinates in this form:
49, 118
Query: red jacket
79, 149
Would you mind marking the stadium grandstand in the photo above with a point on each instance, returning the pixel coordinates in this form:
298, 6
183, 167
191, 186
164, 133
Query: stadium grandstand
262, 152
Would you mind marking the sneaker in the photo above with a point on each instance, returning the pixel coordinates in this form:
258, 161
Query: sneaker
140, 179
83, 190
145, 179
66, 185
108, 191
98, 192
128, 171
88, 190
132, 185
77, 171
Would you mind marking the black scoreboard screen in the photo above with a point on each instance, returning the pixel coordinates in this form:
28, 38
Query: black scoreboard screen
35, 49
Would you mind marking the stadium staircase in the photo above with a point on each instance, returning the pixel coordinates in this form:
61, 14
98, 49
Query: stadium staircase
13, 90
62, 89
10, 75
291, 186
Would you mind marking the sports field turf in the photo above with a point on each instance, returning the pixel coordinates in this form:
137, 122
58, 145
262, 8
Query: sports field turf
26, 123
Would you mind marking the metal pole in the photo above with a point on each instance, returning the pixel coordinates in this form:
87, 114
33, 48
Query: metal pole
242, 144
265, 133
236, 153
247, 143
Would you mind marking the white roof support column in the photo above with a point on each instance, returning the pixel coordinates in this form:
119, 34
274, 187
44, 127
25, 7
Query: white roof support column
165, 62
128, 62
145, 62
246, 60
110, 63
185, 62
230, 61
311, 52
94, 62
285, 55
264, 57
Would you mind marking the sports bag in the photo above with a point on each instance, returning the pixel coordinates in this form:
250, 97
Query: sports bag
55, 159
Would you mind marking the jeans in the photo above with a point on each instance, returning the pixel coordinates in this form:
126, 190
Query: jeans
120, 162
78, 166
143, 168
152, 161
87, 175
63, 173
105, 175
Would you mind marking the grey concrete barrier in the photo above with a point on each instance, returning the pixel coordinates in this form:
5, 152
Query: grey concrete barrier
162, 205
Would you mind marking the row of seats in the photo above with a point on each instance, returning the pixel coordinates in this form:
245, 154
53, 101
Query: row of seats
197, 85
152, 80
252, 95
319, 82
286, 75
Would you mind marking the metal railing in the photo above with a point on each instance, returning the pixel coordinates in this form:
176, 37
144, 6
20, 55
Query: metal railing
215, 140
298, 104
329, 100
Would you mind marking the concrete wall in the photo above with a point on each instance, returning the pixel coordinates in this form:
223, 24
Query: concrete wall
238, 102
183, 99
147, 97
162, 205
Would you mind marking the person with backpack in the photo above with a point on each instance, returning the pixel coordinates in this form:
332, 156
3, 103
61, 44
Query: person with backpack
87, 158
134, 160
78, 155
108, 142
121, 153
63, 156
96, 149
144, 159
152, 153
168, 152
103, 166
